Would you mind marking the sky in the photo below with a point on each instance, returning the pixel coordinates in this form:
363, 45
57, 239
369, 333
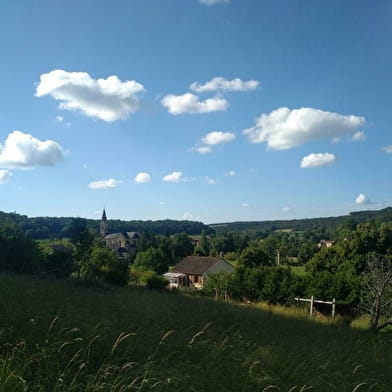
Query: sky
208, 110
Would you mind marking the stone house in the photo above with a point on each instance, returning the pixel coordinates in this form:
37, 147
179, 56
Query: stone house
193, 271
123, 243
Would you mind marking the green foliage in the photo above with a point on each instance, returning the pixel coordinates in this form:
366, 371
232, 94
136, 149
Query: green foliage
57, 260
204, 245
156, 282
256, 255
57, 228
320, 227
102, 263
275, 285
17, 252
152, 259
336, 272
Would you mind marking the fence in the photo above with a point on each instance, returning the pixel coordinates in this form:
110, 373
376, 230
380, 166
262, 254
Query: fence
313, 301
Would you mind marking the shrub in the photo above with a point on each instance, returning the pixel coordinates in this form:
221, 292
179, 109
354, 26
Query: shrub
156, 282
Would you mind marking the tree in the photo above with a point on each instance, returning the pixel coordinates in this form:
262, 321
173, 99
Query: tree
204, 244
152, 259
255, 256
82, 239
103, 263
376, 296
18, 253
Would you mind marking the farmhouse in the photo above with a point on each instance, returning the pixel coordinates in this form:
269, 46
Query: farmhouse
193, 271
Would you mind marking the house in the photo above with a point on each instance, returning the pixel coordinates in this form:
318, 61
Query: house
193, 271
325, 244
123, 243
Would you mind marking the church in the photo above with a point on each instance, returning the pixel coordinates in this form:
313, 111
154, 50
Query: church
123, 243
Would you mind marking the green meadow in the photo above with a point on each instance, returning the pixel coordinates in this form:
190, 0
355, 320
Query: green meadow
78, 336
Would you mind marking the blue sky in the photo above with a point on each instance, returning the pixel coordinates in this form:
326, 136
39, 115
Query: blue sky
208, 110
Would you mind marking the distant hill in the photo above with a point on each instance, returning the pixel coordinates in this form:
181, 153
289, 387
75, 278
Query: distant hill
53, 227
350, 221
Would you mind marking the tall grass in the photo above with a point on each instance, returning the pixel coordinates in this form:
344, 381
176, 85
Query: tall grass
56, 337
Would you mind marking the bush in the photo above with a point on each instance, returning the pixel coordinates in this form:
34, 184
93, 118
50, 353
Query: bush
157, 282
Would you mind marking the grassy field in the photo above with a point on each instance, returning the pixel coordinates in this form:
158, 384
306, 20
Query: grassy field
61, 336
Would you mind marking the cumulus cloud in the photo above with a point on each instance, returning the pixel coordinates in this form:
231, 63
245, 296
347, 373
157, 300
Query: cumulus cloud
104, 184
213, 2
59, 119
106, 99
320, 159
359, 136
362, 199
5, 176
230, 173
217, 137
173, 177
142, 178
245, 205
22, 151
190, 103
203, 149
284, 128
222, 84
286, 209
187, 216
388, 149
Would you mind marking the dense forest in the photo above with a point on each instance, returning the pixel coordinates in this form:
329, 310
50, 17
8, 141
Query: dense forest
327, 226
56, 228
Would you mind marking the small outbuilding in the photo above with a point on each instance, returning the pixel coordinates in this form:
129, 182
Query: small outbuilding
193, 271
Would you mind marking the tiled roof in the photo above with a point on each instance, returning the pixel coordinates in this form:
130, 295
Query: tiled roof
195, 265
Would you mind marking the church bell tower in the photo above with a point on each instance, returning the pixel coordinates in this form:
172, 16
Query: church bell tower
103, 227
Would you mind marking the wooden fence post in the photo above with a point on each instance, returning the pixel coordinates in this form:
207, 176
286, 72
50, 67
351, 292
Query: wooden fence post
311, 306
333, 307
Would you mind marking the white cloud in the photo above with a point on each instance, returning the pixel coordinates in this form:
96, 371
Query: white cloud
59, 119
213, 2
142, 178
358, 136
284, 128
173, 177
217, 137
162, 203
362, 199
23, 151
203, 149
286, 209
222, 84
210, 181
5, 176
230, 173
187, 216
104, 184
320, 159
245, 205
190, 103
388, 149
107, 99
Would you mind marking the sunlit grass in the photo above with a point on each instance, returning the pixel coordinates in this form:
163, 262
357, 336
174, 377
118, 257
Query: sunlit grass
60, 337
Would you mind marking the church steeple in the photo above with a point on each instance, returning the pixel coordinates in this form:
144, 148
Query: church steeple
103, 227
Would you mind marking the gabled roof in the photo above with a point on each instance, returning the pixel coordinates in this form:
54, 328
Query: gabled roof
130, 235
195, 265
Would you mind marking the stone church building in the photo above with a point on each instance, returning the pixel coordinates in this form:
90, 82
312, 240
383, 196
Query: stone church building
123, 243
